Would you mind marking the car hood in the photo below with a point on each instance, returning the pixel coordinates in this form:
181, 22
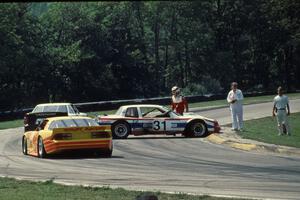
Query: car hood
195, 116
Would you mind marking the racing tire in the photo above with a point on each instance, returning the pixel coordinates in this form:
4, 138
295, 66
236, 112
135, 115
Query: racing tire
196, 129
120, 130
41, 148
104, 153
107, 154
24, 146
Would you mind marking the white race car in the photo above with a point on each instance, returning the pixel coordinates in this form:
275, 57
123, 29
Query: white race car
155, 119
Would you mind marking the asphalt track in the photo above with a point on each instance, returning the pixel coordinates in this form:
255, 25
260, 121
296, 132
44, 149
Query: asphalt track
170, 164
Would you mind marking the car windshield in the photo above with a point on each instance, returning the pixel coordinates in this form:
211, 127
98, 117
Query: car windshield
172, 113
38, 109
157, 112
75, 108
72, 123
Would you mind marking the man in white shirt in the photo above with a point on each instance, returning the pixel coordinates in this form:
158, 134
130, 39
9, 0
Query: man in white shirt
235, 98
281, 109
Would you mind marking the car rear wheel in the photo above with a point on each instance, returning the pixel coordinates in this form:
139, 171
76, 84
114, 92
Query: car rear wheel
104, 153
197, 129
41, 149
24, 145
107, 154
120, 130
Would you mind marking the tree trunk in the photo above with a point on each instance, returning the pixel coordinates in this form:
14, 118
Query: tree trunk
156, 50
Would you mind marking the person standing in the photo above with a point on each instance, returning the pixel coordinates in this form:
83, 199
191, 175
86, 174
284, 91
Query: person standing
281, 110
235, 99
179, 102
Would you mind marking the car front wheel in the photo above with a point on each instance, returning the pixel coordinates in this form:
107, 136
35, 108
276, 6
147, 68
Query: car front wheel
197, 129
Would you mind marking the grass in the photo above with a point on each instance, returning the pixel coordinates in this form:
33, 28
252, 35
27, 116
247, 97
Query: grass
265, 130
11, 124
11, 189
215, 103
247, 100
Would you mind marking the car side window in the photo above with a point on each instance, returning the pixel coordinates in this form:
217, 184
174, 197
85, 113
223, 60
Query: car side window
62, 109
132, 112
43, 124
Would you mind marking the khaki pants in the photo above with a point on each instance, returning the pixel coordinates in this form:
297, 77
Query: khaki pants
282, 118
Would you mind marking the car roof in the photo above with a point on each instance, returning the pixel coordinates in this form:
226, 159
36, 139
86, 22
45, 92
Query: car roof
67, 117
143, 105
53, 104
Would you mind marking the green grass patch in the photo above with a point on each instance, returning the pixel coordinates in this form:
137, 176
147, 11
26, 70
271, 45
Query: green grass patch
11, 124
265, 130
247, 100
11, 189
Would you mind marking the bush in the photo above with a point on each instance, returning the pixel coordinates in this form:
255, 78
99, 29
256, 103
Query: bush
194, 89
207, 86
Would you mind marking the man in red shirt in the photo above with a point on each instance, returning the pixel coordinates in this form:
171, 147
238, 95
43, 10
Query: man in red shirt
179, 103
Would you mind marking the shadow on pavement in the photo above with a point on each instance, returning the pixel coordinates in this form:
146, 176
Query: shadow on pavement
81, 154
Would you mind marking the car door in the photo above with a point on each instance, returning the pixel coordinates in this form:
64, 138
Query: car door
155, 120
131, 116
168, 123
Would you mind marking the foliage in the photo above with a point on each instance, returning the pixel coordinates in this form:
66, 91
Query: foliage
93, 51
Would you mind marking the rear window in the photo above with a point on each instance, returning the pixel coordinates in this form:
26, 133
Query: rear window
72, 123
69, 122
92, 122
56, 124
81, 122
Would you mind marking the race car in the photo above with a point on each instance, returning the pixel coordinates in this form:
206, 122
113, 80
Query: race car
45, 110
155, 119
56, 134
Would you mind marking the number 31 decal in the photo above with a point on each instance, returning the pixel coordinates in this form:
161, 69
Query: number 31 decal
157, 125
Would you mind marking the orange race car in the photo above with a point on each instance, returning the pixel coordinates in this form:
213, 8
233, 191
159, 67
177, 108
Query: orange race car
56, 134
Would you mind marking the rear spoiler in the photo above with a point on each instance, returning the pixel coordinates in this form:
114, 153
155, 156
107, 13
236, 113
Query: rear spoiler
33, 120
82, 129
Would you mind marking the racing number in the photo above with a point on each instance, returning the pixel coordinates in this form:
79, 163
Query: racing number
156, 125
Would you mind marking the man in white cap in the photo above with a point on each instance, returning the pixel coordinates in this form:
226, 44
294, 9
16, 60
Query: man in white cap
281, 109
179, 103
235, 98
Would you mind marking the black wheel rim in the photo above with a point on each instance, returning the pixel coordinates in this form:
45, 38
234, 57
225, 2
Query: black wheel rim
24, 145
199, 129
41, 147
121, 130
